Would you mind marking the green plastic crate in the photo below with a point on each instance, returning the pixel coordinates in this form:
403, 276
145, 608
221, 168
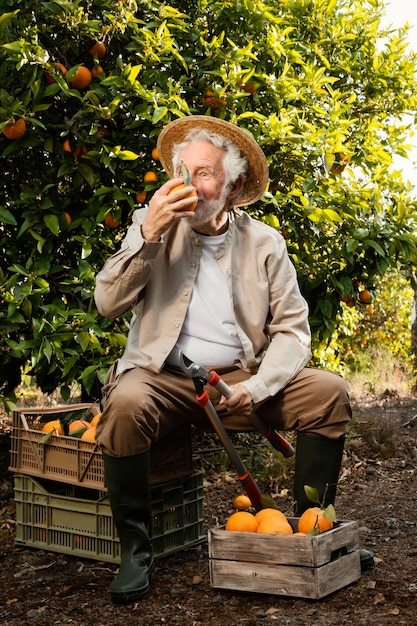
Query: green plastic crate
63, 518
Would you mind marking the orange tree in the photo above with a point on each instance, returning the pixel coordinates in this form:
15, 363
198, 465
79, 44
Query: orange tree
85, 88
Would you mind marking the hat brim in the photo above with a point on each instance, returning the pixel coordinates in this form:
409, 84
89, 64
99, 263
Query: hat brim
257, 175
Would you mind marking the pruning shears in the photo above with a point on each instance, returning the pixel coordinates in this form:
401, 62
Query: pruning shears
201, 377
199, 373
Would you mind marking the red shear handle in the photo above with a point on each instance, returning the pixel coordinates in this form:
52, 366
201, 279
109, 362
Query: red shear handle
280, 443
214, 379
252, 490
203, 398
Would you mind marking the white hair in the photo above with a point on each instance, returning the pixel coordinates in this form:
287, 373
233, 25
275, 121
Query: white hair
235, 165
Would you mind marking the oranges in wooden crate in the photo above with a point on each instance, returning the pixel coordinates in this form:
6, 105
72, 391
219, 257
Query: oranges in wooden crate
313, 521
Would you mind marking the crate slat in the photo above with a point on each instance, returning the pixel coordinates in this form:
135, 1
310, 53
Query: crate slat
286, 580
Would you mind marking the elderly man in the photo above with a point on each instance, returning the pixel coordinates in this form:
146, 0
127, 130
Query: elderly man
219, 286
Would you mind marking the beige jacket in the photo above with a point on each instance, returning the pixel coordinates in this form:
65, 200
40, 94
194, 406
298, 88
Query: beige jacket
156, 280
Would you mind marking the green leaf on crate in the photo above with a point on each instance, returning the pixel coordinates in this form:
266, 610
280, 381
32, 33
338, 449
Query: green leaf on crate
46, 437
65, 418
312, 494
79, 432
330, 513
268, 503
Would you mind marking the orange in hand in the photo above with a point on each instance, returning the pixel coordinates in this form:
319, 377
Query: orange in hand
186, 183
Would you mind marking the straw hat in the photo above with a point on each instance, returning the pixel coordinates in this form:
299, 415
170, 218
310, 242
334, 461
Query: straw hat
257, 175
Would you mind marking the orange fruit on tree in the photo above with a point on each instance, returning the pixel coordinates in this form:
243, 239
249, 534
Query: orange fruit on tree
82, 78
66, 146
141, 197
249, 87
313, 519
96, 71
242, 521
365, 296
273, 525
14, 130
101, 132
155, 154
110, 221
68, 218
79, 151
98, 49
212, 100
150, 177
267, 513
341, 160
53, 426
242, 502
50, 77
89, 434
77, 424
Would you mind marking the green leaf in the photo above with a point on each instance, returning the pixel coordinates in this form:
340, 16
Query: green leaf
52, 223
330, 513
127, 155
159, 113
45, 438
87, 173
6, 216
312, 494
352, 245
272, 220
79, 432
19, 269
83, 339
326, 307
361, 233
373, 244
6, 18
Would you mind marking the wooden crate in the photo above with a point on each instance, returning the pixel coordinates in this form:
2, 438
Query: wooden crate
285, 565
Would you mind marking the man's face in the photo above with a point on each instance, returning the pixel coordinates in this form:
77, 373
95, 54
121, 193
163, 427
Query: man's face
204, 161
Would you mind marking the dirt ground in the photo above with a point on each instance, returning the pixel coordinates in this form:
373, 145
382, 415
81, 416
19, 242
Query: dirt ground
377, 488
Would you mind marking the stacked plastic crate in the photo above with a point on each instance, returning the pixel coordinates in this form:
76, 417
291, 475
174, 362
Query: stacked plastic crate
60, 495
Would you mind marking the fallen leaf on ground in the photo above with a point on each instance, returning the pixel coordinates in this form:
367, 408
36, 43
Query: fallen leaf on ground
379, 598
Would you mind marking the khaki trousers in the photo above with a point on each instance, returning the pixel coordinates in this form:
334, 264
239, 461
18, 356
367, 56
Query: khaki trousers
140, 407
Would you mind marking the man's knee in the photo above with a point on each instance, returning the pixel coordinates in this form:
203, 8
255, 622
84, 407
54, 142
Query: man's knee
123, 428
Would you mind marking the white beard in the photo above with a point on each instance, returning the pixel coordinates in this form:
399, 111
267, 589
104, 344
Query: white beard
208, 209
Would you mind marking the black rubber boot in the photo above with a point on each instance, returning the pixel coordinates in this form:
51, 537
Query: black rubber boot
127, 481
317, 464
